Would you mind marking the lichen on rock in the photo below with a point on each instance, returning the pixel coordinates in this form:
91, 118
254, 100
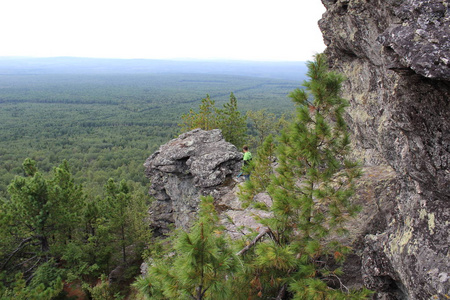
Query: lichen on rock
395, 54
197, 163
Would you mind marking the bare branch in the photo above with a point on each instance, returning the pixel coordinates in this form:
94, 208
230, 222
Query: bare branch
20, 247
25, 261
32, 267
340, 282
281, 293
255, 240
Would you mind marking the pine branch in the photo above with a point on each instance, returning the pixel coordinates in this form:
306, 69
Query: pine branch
342, 286
255, 240
20, 247
281, 293
25, 262
229, 219
31, 269
204, 291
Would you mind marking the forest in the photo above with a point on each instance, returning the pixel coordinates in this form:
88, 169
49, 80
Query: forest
107, 125
73, 195
87, 134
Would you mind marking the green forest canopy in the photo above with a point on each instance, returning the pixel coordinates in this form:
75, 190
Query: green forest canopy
106, 125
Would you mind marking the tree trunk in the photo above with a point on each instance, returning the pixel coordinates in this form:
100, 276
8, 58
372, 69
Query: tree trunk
45, 247
123, 245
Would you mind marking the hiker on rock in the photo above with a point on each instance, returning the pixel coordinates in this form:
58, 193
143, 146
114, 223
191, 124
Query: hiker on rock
247, 158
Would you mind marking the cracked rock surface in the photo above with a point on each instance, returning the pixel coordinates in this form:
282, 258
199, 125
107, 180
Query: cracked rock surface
395, 54
197, 163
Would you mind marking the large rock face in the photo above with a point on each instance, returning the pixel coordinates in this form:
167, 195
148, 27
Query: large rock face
197, 163
396, 56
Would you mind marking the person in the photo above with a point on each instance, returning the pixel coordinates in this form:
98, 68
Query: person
247, 158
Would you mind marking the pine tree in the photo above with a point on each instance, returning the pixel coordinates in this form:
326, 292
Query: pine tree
232, 123
124, 215
228, 119
68, 200
99, 240
40, 218
205, 119
310, 194
263, 124
117, 200
17, 288
261, 169
201, 264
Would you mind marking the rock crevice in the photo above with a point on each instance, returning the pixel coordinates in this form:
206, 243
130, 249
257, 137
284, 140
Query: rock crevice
195, 164
395, 54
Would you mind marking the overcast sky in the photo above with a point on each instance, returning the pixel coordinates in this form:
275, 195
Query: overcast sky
201, 29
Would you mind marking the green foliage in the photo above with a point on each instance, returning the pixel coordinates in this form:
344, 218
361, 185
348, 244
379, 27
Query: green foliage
232, 124
310, 193
107, 125
17, 289
117, 202
124, 215
114, 230
201, 264
29, 167
47, 275
261, 172
107, 133
228, 119
264, 123
49, 220
206, 118
103, 290
41, 216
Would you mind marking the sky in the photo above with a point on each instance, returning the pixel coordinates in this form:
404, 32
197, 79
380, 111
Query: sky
281, 30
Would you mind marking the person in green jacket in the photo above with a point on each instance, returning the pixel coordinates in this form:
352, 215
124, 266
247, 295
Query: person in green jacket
247, 158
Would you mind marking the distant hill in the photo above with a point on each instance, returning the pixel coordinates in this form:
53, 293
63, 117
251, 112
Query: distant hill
74, 65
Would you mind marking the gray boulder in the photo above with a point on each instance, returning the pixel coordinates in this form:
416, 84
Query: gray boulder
197, 163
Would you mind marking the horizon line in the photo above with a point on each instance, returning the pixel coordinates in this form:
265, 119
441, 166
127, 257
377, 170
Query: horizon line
159, 59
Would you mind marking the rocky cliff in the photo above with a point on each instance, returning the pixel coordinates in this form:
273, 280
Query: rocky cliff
200, 163
197, 163
396, 56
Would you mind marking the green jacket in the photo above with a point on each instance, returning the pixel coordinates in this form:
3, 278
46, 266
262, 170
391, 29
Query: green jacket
247, 157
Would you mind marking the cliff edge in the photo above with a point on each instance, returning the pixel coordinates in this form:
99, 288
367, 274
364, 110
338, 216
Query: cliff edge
396, 56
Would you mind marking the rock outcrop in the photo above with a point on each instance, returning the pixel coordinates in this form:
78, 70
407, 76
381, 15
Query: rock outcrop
197, 163
396, 56
200, 163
